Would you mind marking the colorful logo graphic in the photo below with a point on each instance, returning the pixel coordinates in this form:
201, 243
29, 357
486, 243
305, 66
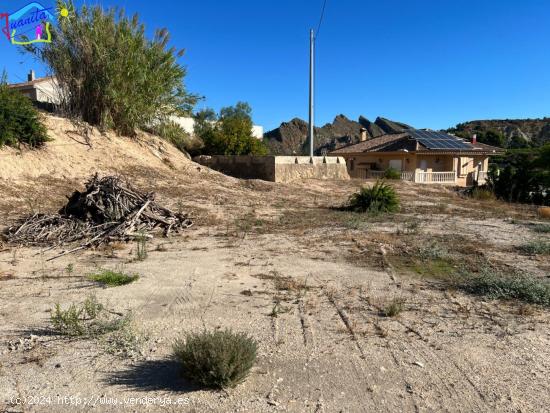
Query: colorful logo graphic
28, 24
4, 20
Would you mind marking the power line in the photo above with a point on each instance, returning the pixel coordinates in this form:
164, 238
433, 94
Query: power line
321, 18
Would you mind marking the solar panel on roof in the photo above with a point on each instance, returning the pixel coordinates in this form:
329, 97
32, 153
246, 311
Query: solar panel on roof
438, 140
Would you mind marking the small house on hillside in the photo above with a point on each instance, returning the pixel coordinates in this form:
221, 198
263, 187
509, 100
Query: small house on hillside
42, 90
420, 155
44, 93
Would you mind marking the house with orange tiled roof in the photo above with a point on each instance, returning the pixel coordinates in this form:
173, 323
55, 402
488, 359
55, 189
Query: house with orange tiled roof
419, 155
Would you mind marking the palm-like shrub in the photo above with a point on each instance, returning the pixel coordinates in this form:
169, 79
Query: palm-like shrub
379, 198
109, 74
216, 359
19, 120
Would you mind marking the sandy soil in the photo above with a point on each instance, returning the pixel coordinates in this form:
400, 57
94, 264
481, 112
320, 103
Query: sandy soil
308, 282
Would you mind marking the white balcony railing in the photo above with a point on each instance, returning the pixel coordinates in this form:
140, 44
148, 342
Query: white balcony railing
419, 176
405, 175
435, 177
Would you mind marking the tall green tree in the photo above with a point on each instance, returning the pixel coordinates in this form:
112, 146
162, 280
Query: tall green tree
109, 74
229, 132
523, 176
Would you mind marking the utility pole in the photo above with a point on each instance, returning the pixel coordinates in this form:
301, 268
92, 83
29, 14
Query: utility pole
311, 83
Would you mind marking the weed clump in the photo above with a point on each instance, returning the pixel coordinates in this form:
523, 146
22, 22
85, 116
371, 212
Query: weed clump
90, 318
482, 194
517, 286
379, 198
541, 228
394, 307
113, 278
216, 359
141, 246
536, 248
355, 221
433, 251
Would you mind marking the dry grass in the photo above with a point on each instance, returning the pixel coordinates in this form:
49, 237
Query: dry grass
286, 284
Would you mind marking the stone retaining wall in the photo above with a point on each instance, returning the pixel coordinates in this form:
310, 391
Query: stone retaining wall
277, 168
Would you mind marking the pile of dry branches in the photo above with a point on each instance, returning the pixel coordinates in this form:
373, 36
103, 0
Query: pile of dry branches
108, 210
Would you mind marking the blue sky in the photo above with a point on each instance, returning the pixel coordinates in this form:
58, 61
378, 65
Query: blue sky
427, 63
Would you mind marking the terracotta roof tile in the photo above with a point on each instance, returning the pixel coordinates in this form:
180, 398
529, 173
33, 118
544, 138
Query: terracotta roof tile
403, 141
371, 144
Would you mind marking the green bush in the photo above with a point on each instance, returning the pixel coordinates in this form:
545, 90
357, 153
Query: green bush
109, 73
229, 132
19, 120
113, 278
379, 198
392, 173
217, 359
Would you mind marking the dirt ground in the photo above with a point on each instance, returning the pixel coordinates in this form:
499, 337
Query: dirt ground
278, 261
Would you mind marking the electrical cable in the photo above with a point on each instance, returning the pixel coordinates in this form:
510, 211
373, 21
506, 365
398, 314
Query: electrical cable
321, 18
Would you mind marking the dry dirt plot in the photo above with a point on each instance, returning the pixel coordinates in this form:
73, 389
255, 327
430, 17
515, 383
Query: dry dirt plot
351, 313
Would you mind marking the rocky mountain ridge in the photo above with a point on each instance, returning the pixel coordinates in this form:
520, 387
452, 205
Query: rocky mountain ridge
290, 138
533, 132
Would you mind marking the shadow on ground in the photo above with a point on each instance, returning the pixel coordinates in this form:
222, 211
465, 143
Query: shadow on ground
152, 375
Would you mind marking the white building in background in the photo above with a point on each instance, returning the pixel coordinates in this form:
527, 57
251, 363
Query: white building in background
44, 90
189, 123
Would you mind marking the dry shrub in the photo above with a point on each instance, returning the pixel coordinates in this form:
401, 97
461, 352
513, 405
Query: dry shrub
216, 359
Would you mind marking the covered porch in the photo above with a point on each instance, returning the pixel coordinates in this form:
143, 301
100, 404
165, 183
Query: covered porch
422, 168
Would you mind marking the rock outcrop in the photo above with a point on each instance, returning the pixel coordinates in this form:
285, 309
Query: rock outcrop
291, 138
536, 132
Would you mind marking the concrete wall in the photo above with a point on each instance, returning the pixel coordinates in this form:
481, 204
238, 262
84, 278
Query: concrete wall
244, 167
277, 168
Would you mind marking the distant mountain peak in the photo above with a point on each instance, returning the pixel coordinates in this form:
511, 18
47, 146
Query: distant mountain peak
292, 137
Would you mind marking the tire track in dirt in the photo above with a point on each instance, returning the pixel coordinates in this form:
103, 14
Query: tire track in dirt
275, 330
406, 383
458, 388
310, 350
306, 327
344, 317
362, 384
